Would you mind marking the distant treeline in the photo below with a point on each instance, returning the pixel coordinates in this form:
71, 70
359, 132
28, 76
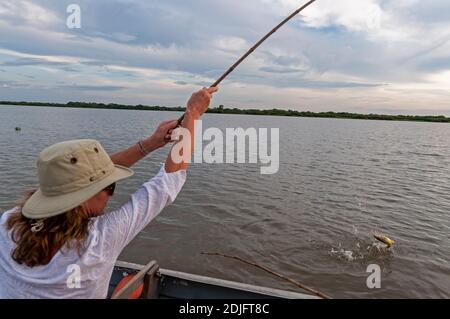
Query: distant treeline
224, 110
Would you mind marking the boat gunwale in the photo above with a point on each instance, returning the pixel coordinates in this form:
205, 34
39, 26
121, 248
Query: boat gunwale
272, 292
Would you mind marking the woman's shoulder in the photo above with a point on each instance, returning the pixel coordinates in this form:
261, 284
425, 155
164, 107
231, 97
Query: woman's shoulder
172, 179
6, 214
4, 232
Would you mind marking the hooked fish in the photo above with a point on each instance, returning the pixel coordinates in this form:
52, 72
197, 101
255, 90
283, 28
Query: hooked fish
384, 239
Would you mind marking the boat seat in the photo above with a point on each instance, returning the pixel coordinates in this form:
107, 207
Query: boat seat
148, 277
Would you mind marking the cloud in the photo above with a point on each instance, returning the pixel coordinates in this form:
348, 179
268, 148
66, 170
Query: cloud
282, 70
13, 85
32, 61
231, 44
27, 12
437, 64
365, 54
337, 85
93, 87
357, 16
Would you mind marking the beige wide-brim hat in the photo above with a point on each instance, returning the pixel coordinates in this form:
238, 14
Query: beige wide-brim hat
69, 174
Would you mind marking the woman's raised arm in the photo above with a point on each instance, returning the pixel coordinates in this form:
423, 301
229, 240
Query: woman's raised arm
196, 106
158, 139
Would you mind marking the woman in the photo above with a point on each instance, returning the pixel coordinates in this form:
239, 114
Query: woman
58, 243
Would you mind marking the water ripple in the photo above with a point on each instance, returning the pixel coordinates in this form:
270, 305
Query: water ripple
339, 181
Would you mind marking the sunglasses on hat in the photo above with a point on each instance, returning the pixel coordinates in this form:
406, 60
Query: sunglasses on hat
110, 189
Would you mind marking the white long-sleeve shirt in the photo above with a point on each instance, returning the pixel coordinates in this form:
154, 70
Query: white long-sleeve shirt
69, 275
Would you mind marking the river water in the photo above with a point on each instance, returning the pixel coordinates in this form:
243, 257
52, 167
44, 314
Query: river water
339, 181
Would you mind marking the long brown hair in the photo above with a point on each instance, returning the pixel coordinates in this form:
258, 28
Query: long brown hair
68, 230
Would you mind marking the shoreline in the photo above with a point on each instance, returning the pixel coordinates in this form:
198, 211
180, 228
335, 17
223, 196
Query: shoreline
223, 110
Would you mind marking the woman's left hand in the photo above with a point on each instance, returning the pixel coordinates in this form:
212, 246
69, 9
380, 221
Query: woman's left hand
162, 134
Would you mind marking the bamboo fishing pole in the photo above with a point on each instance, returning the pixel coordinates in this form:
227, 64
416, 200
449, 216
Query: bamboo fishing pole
292, 281
253, 48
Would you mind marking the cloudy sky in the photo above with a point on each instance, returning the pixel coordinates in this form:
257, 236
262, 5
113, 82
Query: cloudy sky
390, 56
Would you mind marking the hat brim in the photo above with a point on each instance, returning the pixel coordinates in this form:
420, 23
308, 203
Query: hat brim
41, 206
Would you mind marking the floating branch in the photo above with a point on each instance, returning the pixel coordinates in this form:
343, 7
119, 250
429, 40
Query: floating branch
292, 281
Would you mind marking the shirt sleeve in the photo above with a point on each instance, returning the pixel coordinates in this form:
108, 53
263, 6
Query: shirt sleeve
119, 227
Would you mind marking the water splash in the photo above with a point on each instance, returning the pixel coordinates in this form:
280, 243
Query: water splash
362, 251
341, 253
